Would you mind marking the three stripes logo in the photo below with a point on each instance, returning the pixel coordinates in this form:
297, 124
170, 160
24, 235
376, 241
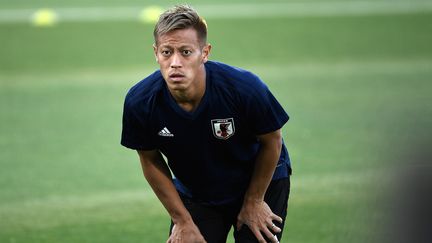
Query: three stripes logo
165, 133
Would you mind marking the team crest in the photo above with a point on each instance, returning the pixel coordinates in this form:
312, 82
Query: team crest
223, 128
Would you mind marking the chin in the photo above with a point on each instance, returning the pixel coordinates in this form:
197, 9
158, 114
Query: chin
177, 87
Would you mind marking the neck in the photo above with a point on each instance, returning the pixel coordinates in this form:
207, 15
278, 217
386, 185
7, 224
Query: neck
190, 98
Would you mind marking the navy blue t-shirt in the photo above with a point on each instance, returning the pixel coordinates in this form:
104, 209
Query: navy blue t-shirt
211, 151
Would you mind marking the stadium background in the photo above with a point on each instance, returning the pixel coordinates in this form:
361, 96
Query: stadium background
355, 77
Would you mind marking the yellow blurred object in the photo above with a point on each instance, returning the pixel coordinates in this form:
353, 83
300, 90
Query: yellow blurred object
44, 18
150, 14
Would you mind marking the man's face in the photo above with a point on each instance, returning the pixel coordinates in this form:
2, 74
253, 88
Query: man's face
181, 58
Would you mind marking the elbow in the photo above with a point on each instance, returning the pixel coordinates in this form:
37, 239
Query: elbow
272, 140
278, 140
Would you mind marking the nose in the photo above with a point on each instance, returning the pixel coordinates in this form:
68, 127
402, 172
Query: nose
176, 61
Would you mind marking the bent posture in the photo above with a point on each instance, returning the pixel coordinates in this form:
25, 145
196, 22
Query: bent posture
219, 128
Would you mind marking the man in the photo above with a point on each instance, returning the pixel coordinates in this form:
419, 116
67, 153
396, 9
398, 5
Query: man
219, 128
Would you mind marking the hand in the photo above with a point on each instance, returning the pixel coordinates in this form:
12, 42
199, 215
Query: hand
258, 216
185, 233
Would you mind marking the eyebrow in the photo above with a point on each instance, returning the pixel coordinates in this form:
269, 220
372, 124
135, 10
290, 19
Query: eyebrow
181, 47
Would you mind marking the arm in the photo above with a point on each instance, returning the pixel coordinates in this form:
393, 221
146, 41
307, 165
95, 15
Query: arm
158, 176
255, 213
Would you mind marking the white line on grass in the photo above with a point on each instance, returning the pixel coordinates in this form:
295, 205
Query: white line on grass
56, 210
79, 201
237, 10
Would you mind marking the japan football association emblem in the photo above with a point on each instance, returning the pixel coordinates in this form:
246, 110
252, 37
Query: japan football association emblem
223, 128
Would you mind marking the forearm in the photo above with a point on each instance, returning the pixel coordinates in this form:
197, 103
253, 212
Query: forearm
158, 176
255, 212
265, 165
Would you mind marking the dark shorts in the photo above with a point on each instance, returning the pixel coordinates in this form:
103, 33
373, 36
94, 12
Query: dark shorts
215, 222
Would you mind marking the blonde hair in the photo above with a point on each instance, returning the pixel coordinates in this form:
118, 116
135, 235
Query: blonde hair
181, 17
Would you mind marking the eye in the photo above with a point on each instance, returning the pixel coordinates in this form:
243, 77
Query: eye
186, 52
165, 53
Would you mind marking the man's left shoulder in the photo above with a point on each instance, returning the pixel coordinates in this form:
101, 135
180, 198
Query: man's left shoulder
239, 78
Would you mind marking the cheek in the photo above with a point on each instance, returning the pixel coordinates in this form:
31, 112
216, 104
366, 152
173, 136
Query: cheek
163, 64
163, 68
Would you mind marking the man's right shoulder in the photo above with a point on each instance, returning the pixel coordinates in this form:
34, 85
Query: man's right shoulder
145, 90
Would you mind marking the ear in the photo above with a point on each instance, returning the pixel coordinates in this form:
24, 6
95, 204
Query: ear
155, 52
206, 52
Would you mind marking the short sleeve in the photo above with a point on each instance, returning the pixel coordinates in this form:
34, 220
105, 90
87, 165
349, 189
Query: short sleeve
136, 130
264, 113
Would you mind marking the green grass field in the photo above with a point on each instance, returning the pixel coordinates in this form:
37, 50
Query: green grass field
357, 89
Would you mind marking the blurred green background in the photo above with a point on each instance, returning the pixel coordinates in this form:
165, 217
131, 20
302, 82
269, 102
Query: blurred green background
354, 76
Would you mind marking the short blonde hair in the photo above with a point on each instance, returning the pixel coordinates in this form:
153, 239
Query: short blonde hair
181, 17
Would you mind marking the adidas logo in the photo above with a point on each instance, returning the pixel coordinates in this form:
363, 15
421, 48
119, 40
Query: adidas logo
165, 133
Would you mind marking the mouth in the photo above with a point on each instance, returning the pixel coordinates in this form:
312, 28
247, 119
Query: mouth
176, 76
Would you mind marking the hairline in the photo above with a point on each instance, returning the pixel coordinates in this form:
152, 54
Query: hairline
201, 41
181, 17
